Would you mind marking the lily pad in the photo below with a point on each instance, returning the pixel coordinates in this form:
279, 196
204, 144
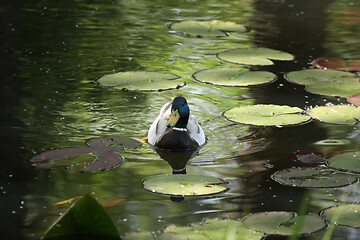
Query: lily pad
219, 229
355, 100
100, 155
234, 77
313, 177
336, 114
85, 217
344, 215
184, 185
349, 161
337, 64
141, 81
284, 223
311, 76
213, 28
309, 158
254, 56
138, 236
339, 87
266, 115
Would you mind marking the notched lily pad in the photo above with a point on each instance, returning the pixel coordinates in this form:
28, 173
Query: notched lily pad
336, 114
213, 28
337, 64
233, 77
316, 177
348, 161
338, 87
184, 185
142, 81
284, 223
311, 76
266, 115
254, 56
100, 155
85, 217
344, 215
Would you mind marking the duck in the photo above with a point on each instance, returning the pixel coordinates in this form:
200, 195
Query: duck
175, 129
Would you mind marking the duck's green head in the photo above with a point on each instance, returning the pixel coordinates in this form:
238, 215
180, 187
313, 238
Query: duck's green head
180, 112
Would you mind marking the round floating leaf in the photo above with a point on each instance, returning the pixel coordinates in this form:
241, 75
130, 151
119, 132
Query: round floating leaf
216, 229
213, 28
333, 142
138, 236
254, 56
85, 217
337, 64
337, 114
340, 88
284, 223
109, 141
311, 76
344, 215
349, 161
309, 158
184, 185
266, 115
172, 236
355, 100
141, 81
313, 177
234, 77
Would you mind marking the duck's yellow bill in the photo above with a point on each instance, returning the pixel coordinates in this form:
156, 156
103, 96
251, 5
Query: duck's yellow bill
174, 117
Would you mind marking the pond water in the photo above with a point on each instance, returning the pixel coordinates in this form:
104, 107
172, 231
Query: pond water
52, 52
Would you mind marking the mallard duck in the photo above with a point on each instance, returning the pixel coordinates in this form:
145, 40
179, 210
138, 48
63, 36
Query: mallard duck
175, 129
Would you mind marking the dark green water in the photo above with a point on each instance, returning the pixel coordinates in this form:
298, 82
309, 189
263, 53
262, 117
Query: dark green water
53, 51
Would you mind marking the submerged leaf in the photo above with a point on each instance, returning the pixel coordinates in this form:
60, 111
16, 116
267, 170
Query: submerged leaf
266, 115
355, 100
141, 81
344, 215
284, 223
336, 114
86, 217
311, 76
349, 161
213, 28
337, 64
234, 77
100, 155
254, 56
316, 177
184, 185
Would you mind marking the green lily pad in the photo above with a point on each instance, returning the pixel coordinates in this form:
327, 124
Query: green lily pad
138, 236
172, 236
311, 76
184, 185
254, 56
85, 217
266, 115
141, 81
339, 87
213, 28
219, 229
234, 77
313, 177
349, 161
337, 114
284, 223
344, 215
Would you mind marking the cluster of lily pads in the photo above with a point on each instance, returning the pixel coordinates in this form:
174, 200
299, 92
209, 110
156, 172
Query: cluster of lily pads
87, 216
